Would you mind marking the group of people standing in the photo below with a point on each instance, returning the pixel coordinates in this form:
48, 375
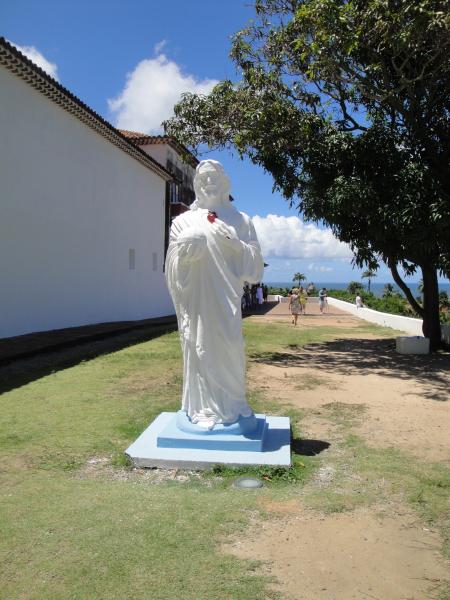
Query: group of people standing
298, 299
254, 296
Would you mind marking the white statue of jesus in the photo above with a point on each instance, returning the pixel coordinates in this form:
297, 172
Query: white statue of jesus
213, 250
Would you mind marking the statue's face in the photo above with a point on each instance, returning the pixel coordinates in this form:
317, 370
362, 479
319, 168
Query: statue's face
211, 186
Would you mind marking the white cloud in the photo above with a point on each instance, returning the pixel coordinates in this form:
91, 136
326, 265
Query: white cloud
39, 59
159, 46
150, 92
319, 268
290, 237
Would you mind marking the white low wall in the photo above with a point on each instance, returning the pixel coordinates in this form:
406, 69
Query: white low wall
406, 324
277, 298
446, 334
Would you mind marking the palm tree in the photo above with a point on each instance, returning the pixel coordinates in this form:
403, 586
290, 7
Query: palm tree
299, 277
369, 274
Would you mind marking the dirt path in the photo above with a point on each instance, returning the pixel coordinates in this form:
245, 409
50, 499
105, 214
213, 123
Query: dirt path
355, 555
407, 398
375, 547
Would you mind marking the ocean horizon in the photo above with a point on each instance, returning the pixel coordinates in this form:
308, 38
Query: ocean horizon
376, 287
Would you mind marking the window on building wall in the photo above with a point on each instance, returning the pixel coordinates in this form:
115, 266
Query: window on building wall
174, 192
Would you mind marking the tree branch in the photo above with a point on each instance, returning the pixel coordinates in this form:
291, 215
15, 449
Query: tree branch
341, 101
402, 285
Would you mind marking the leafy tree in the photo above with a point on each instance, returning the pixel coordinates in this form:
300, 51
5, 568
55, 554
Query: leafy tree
444, 301
369, 275
354, 287
299, 277
346, 104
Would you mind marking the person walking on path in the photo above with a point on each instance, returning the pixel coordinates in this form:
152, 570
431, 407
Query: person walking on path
322, 299
303, 300
294, 305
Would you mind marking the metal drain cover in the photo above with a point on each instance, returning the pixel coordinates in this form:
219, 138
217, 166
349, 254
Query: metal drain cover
248, 483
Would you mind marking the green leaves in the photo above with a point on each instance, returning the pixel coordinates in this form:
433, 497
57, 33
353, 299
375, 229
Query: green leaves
346, 104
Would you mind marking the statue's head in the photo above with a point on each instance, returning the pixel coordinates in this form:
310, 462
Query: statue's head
211, 184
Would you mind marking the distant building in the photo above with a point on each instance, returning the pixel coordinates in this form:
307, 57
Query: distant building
83, 210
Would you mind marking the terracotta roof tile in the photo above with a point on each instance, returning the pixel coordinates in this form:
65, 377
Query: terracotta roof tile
142, 139
132, 134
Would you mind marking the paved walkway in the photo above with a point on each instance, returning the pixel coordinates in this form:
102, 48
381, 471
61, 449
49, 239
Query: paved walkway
281, 309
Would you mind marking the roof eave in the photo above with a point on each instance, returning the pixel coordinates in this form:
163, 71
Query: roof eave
16, 62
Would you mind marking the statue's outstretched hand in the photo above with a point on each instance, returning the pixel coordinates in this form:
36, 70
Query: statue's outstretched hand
227, 234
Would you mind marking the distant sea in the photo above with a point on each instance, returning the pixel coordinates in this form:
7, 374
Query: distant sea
376, 287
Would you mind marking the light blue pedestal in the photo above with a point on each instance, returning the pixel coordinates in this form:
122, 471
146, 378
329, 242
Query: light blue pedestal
164, 445
181, 433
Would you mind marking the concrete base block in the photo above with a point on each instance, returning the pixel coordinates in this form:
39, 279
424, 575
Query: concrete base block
146, 452
412, 345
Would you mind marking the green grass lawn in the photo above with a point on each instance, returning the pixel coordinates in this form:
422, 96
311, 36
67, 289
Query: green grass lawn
67, 536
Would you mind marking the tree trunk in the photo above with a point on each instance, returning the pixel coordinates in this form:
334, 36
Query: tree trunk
431, 323
392, 263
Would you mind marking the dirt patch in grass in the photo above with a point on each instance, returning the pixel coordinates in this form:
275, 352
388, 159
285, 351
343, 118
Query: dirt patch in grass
363, 554
101, 467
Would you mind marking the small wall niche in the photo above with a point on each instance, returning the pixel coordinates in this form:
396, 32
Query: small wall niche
132, 259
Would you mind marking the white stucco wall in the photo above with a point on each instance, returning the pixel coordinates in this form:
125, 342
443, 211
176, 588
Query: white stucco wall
406, 324
72, 206
163, 152
158, 152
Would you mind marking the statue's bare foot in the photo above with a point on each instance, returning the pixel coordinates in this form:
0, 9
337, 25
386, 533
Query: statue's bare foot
206, 424
205, 421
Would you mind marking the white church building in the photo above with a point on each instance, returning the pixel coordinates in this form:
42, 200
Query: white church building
83, 211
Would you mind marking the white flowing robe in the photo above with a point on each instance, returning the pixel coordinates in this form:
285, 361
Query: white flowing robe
205, 278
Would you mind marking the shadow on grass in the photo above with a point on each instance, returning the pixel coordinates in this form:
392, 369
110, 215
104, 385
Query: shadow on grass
366, 357
23, 371
259, 310
308, 447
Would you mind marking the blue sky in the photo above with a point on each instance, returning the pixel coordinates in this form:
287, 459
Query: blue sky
128, 60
